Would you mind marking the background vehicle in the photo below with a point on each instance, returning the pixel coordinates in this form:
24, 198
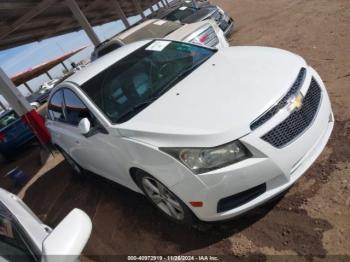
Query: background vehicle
187, 12
204, 33
23, 237
154, 117
14, 133
43, 93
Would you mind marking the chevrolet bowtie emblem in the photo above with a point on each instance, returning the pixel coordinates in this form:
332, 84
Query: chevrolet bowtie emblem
296, 103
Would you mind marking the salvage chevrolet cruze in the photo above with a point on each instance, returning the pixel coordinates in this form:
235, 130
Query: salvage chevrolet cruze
202, 133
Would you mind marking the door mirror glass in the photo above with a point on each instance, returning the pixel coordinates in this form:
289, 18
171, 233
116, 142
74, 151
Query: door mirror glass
69, 238
84, 126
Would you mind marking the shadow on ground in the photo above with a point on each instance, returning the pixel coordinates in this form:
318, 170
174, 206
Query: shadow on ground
123, 221
27, 160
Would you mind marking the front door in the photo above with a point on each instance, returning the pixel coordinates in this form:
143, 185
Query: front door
91, 151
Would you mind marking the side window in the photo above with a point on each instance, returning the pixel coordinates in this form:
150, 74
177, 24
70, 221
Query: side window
55, 107
75, 108
12, 244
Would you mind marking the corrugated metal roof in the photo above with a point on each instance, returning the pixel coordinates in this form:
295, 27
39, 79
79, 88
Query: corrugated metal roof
25, 21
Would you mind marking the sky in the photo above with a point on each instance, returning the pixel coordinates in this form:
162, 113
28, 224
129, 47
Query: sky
21, 58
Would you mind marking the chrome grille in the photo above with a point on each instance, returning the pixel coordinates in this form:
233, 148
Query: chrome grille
212, 39
298, 121
207, 37
282, 103
217, 16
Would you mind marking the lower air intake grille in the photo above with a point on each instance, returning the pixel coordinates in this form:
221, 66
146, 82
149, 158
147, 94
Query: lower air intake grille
239, 199
298, 121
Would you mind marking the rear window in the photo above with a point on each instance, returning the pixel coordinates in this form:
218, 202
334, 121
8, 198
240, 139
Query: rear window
108, 48
180, 14
157, 29
7, 119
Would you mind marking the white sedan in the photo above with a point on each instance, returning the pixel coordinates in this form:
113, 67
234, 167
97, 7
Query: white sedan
202, 133
23, 237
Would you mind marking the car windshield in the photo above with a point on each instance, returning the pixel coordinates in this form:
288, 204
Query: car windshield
129, 85
7, 119
180, 13
156, 29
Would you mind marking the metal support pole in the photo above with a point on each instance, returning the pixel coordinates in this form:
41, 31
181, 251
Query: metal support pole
139, 8
158, 5
162, 1
84, 23
152, 10
12, 95
22, 107
167, 3
48, 75
28, 87
65, 67
121, 13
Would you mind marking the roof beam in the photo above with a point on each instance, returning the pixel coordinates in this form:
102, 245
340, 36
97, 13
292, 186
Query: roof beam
39, 8
15, 5
139, 8
84, 23
121, 13
71, 21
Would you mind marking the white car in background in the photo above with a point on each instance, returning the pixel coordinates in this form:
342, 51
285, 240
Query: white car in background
201, 132
23, 237
202, 33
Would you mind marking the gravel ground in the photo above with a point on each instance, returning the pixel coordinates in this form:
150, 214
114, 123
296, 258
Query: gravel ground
312, 220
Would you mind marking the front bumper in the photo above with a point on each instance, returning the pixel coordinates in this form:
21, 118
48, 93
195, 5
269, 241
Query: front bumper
277, 168
227, 27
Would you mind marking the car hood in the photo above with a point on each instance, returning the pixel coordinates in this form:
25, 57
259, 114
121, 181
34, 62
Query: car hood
217, 102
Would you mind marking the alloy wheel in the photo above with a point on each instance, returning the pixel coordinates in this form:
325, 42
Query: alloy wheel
163, 198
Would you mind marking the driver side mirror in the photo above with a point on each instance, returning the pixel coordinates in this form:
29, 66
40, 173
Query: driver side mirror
67, 240
84, 126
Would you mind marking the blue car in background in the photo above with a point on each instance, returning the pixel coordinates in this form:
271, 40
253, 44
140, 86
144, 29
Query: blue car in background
14, 134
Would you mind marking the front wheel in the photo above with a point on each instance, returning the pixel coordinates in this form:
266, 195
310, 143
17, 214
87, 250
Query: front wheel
162, 198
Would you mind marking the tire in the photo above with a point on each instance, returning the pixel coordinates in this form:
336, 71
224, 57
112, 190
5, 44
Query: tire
165, 201
77, 169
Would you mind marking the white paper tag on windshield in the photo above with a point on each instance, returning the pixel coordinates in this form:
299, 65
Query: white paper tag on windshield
158, 45
187, 1
160, 22
183, 8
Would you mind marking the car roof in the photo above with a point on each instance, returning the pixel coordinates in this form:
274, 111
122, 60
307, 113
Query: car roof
103, 62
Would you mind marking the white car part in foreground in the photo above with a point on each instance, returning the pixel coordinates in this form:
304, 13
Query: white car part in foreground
23, 236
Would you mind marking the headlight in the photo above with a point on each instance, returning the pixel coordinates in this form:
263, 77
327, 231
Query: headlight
201, 160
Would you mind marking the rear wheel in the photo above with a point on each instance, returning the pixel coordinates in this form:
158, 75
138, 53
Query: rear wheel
162, 198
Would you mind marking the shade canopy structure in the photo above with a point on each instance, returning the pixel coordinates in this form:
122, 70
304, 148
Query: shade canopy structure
38, 70
26, 21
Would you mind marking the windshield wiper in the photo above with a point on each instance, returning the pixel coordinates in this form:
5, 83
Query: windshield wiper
138, 107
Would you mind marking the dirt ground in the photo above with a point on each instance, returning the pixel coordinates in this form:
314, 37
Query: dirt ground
312, 220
